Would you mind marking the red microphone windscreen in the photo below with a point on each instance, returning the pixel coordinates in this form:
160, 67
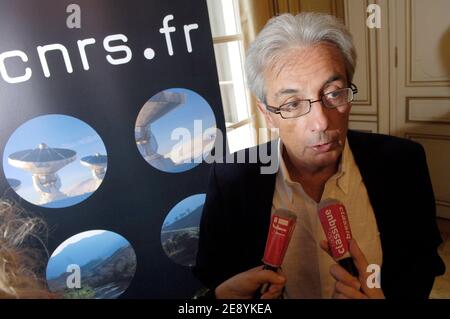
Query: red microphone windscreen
335, 223
280, 231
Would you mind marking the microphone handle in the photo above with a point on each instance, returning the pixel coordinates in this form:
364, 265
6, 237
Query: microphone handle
264, 287
348, 264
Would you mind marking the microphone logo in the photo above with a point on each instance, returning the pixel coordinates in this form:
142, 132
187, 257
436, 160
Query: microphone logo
334, 220
280, 226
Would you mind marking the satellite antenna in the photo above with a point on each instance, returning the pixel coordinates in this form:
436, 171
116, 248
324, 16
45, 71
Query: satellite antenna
43, 163
97, 164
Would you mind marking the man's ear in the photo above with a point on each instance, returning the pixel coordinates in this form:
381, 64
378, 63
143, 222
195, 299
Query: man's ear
267, 115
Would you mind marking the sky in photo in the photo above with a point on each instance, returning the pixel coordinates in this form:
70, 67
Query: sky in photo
195, 108
191, 203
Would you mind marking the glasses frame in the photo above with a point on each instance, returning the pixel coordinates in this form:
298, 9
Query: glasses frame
277, 110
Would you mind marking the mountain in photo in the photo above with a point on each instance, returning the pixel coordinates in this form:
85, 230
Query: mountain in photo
98, 247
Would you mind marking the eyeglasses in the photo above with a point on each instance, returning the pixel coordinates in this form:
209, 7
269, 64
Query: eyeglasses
331, 100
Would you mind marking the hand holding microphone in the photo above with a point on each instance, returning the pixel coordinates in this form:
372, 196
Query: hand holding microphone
335, 223
351, 274
244, 285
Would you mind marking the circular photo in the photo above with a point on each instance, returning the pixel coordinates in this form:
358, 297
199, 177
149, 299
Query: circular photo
55, 161
96, 264
180, 230
175, 130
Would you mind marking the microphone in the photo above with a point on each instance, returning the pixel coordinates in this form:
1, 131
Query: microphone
280, 231
335, 223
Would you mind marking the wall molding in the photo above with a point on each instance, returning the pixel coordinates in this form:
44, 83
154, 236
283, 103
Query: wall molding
408, 117
409, 82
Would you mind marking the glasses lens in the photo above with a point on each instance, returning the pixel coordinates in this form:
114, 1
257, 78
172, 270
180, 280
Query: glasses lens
294, 109
338, 98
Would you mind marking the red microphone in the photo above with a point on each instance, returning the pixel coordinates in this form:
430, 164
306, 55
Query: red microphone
335, 223
280, 231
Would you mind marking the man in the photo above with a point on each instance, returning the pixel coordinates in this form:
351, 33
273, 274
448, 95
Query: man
300, 69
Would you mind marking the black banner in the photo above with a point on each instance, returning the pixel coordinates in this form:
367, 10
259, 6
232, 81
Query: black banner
107, 109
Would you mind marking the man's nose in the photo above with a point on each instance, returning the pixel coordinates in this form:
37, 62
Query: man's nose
318, 117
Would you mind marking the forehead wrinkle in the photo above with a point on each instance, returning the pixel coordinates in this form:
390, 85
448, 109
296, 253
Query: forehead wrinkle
290, 60
297, 57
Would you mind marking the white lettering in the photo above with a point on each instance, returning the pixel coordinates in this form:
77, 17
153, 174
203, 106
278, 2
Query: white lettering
42, 51
187, 35
4, 72
119, 48
10, 75
81, 47
187, 309
166, 30
246, 309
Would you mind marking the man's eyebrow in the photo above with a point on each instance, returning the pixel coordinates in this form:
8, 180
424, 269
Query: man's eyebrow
286, 91
332, 79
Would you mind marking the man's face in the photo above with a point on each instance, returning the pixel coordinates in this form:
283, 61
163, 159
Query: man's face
315, 140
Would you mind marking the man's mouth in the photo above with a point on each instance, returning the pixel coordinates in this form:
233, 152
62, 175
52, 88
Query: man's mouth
323, 148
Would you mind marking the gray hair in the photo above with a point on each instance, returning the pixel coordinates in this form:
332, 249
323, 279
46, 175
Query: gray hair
287, 31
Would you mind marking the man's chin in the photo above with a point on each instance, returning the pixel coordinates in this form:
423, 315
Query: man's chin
323, 160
